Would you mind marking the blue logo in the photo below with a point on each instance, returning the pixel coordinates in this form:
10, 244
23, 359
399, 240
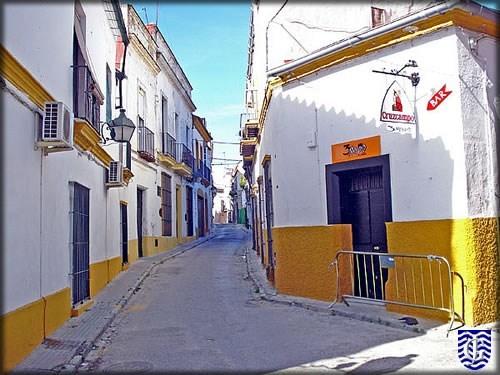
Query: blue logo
474, 347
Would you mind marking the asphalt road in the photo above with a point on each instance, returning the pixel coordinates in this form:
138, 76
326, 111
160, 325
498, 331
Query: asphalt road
198, 312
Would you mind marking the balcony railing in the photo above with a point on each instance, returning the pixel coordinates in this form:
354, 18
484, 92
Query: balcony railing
168, 145
86, 103
201, 170
248, 116
207, 173
146, 143
184, 155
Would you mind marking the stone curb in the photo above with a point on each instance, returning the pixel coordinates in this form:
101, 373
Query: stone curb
266, 293
80, 354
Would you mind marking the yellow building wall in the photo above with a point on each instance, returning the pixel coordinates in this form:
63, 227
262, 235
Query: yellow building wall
133, 250
101, 273
303, 255
471, 247
25, 328
164, 244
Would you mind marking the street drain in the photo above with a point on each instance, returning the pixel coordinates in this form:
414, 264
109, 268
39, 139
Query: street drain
130, 366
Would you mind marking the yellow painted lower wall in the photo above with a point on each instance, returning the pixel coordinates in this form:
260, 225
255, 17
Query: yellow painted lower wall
153, 245
133, 251
25, 328
471, 247
101, 273
302, 258
57, 310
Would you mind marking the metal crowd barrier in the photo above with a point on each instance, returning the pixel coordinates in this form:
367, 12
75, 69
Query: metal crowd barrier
416, 280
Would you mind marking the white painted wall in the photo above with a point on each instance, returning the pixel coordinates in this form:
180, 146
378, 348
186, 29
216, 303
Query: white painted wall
21, 205
478, 89
345, 102
301, 28
38, 230
40, 35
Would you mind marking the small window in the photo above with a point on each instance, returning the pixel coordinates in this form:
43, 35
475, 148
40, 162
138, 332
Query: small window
379, 17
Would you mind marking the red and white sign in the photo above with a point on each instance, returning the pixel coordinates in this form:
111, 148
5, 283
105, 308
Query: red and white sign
438, 98
397, 108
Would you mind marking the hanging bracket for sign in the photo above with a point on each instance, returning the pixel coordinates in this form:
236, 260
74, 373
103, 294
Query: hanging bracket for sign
413, 77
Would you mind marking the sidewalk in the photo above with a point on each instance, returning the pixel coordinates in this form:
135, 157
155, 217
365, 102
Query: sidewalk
374, 313
66, 348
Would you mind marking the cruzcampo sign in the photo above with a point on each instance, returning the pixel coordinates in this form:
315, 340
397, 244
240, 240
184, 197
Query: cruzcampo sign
356, 149
397, 111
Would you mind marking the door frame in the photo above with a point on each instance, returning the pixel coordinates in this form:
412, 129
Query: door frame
140, 216
189, 211
124, 231
178, 212
79, 262
333, 193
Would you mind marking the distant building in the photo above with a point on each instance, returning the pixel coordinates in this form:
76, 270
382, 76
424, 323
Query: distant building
223, 209
238, 193
373, 127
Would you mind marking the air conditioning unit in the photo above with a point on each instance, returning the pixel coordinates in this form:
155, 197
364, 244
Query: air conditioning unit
57, 127
115, 174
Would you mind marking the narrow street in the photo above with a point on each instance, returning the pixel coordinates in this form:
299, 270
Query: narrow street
199, 312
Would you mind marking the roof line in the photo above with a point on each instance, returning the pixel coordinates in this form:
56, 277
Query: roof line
357, 38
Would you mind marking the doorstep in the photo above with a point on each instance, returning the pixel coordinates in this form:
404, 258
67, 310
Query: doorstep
81, 308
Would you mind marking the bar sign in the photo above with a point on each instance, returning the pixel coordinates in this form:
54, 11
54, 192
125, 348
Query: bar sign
356, 149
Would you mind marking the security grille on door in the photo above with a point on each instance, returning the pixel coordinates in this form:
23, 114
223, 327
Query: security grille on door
115, 174
57, 126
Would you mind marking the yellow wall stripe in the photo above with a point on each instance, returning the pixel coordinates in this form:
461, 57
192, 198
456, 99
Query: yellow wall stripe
25, 328
303, 255
22, 79
471, 247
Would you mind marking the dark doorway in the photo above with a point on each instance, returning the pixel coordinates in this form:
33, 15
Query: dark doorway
140, 200
80, 214
124, 232
261, 220
201, 216
359, 194
189, 210
268, 191
206, 219
166, 204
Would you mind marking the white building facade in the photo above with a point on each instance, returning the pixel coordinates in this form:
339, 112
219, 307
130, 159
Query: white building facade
73, 219
383, 140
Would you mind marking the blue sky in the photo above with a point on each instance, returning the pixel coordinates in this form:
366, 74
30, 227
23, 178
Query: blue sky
210, 42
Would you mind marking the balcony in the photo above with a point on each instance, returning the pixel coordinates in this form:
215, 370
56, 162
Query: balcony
207, 174
184, 160
86, 97
202, 172
146, 143
168, 155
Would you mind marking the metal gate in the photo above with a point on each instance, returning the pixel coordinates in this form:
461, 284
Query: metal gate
420, 281
80, 244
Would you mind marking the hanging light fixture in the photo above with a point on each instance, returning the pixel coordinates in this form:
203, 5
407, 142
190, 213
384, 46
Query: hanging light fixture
121, 128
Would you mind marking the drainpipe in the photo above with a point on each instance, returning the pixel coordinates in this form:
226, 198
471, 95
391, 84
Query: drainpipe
267, 33
356, 39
